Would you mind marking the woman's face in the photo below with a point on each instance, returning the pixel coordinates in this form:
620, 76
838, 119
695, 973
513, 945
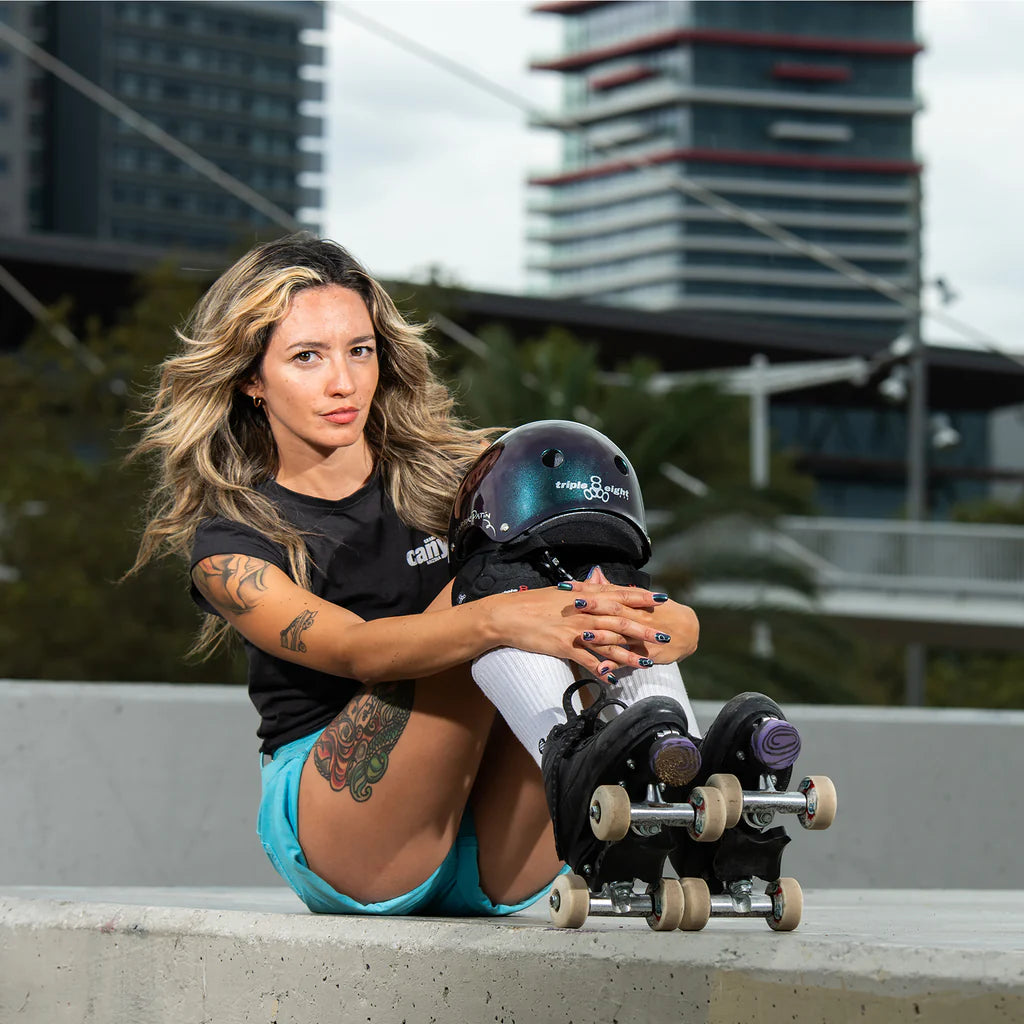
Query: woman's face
319, 374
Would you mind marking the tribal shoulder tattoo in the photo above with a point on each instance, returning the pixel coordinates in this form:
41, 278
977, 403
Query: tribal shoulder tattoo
231, 582
353, 751
234, 583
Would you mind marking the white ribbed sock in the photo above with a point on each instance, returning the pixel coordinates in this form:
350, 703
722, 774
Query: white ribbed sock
527, 690
657, 681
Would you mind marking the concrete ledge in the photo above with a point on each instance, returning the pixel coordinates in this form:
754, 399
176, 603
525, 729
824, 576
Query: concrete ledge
255, 955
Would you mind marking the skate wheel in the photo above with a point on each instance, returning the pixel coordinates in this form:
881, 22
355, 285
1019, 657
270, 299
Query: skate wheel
731, 790
709, 814
696, 904
609, 813
787, 904
569, 901
668, 895
821, 802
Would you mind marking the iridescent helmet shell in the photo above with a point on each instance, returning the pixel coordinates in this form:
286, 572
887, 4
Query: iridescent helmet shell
559, 480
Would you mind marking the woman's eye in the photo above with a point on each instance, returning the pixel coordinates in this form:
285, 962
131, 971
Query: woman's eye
362, 351
304, 357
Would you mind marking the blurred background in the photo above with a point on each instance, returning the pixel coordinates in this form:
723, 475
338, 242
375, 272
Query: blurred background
767, 247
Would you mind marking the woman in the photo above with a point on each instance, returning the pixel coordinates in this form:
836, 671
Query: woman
308, 461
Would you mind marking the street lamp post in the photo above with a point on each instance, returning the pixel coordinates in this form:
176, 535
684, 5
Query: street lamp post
759, 382
760, 453
759, 426
917, 441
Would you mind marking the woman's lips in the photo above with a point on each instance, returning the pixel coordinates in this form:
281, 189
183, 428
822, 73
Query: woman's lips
341, 415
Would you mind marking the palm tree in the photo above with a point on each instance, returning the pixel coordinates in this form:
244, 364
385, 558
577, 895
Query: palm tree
704, 549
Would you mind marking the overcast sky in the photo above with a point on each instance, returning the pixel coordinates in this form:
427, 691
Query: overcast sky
426, 169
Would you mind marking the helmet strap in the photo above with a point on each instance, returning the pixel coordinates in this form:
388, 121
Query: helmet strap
546, 561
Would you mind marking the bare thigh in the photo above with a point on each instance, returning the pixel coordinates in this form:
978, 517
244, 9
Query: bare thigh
384, 789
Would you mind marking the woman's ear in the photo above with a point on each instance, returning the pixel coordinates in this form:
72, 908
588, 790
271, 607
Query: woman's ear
250, 387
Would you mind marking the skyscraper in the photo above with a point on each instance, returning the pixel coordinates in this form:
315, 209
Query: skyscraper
224, 78
801, 112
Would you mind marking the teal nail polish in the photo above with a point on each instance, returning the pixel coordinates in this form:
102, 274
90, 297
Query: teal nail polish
660, 598
662, 638
646, 662
610, 678
565, 586
580, 602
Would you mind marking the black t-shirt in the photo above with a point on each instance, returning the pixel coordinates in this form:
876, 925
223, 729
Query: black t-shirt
364, 558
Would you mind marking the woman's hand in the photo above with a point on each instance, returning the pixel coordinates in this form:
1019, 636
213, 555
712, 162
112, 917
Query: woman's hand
599, 626
677, 627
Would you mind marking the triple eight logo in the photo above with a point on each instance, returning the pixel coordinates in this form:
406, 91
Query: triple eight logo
593, 491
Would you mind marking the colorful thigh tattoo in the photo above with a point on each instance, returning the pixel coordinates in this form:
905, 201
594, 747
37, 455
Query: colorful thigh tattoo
352, 752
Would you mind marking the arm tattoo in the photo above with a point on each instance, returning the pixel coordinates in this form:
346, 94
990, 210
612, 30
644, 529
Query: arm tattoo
352, 752
231, 582
292, 633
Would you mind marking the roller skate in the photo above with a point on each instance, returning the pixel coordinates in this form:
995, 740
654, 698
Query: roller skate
747, 756
606, 783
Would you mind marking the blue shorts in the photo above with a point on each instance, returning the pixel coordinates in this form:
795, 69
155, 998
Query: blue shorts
452, 890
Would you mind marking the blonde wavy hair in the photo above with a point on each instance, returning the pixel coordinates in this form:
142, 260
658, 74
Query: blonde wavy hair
212, 446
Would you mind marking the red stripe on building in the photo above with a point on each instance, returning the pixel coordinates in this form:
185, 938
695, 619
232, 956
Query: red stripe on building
727, 37
811, 72
567, 6
623, 77
728, 156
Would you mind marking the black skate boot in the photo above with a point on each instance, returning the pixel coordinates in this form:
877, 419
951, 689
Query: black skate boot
606, 785
646, 745
748, 756
751, 740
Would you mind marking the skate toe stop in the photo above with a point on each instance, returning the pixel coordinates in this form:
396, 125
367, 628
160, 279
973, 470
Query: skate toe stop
675, 760
776, 744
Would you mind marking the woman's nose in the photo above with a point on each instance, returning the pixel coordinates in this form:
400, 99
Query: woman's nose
342, 382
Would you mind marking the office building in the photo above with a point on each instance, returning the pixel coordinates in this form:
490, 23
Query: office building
800, 112
226, 79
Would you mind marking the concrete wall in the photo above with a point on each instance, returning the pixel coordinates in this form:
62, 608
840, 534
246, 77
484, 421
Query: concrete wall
158, 785
131, 784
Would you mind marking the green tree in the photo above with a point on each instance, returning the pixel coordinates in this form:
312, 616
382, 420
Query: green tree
72, 510
699, 541
994, 512
973, 678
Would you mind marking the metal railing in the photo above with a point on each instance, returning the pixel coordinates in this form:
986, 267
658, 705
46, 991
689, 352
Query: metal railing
976, 558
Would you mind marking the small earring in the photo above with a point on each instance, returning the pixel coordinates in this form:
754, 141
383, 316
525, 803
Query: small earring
257, 401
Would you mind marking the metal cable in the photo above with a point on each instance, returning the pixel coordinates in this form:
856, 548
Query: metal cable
758, 222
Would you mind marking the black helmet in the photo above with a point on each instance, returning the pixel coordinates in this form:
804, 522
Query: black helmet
554, 480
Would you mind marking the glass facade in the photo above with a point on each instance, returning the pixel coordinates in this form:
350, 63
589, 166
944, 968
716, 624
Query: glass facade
858, 457
229, 80
801, 112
